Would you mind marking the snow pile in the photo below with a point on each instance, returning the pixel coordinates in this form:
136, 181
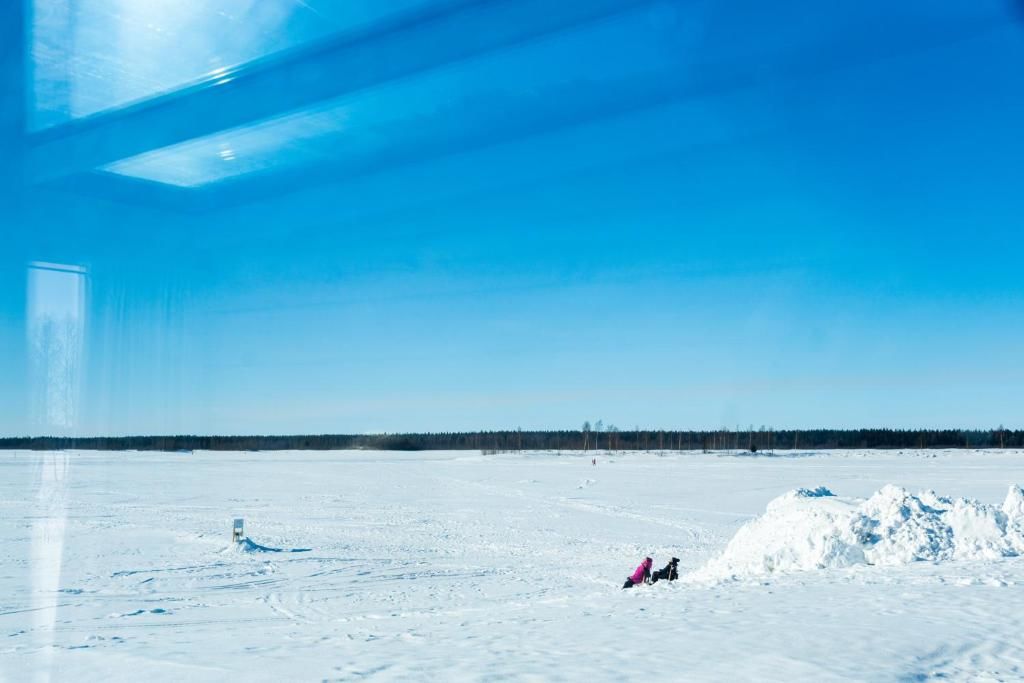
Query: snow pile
815, 529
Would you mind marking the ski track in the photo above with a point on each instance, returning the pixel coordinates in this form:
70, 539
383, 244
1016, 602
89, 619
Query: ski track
458, 566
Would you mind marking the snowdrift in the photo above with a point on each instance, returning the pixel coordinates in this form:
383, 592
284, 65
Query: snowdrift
810, 529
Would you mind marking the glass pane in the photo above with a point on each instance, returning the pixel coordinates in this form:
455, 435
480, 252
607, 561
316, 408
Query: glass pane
702, 253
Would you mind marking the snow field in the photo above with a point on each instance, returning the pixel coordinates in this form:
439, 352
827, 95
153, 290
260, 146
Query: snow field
457, 566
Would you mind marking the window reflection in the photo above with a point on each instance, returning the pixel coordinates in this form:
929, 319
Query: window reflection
93, 55
56, 330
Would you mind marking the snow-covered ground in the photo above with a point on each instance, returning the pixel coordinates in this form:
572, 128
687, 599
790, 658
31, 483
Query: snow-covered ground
459, 566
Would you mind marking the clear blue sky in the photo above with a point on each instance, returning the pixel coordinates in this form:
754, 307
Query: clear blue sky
837, 242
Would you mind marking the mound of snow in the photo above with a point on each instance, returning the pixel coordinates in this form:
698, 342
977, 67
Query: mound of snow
1013, 506
814, 529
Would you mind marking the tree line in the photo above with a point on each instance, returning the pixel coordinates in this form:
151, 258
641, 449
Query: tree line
588, 438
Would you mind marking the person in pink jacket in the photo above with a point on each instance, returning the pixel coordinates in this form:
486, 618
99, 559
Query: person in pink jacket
641, 575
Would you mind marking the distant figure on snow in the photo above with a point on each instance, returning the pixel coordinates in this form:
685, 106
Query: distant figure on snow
670, 572
641, 575
593, 461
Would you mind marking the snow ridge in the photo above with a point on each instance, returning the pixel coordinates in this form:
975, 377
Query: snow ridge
810, 529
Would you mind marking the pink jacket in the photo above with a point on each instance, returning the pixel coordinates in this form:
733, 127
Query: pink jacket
642, 571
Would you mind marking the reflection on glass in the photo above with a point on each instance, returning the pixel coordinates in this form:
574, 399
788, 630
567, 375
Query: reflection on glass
92, 55
55, 329
475, 102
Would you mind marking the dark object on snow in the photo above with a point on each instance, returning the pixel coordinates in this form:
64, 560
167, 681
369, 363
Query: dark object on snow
670, 572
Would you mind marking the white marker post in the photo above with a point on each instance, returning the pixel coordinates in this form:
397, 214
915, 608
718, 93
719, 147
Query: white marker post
238, 533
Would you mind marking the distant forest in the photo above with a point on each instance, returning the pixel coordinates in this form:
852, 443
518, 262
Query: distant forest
588, 438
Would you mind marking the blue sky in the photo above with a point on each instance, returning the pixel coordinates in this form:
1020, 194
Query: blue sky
834, 246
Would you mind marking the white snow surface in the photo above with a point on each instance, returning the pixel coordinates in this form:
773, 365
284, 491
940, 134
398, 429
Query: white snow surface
460, 566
